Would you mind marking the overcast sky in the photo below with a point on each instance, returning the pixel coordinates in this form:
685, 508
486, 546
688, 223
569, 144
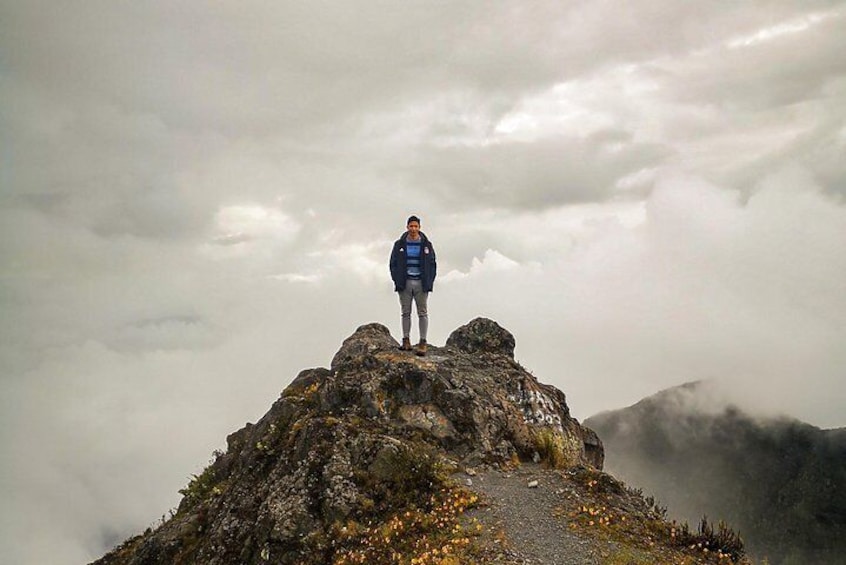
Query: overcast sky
197, 200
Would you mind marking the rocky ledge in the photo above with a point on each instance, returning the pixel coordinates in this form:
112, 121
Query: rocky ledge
369, 436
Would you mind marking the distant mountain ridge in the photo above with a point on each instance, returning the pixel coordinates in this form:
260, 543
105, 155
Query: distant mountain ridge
780, 482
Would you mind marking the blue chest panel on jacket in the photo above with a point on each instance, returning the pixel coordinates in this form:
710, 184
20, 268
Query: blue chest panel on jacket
412, 254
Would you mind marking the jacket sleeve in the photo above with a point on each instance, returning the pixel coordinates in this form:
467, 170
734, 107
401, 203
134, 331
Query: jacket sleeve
434, 263
394, 267
392, 263
432, 271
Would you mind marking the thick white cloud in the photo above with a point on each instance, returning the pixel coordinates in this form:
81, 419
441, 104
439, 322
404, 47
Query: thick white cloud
197, 201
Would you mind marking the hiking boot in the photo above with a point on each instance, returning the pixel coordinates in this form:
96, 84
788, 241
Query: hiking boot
406, 344
421, 348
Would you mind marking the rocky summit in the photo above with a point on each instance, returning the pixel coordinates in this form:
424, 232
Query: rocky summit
342, 444
372, 460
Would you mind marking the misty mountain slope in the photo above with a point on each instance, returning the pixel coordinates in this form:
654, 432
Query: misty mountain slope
780, 482
374, 461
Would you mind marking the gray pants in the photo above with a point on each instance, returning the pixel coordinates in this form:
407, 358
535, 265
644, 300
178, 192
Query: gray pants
414, 289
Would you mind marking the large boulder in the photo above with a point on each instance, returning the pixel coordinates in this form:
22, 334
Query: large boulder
482, 336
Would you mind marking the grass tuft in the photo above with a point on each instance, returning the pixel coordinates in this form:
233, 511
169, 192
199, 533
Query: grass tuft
722, 540
550, 447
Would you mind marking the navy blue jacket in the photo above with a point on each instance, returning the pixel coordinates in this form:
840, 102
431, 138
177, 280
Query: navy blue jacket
428, 265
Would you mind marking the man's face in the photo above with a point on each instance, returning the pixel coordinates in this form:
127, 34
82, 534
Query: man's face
413, 229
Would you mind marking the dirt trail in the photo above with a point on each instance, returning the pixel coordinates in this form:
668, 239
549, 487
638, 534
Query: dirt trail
530, 517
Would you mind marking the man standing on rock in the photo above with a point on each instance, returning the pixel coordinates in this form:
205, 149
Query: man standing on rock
413, 270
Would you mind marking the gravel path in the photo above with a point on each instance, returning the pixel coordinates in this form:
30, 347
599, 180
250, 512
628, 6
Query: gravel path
528, 516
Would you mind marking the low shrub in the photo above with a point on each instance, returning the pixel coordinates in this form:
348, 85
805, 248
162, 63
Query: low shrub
721, 540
